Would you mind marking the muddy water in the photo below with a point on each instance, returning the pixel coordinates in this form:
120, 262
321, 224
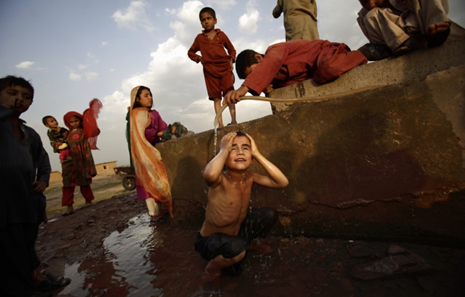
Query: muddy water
158, 260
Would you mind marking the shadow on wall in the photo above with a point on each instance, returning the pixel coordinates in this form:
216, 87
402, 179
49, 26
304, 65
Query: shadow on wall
352, 165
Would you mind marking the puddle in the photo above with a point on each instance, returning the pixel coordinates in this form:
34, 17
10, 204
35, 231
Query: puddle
159, 260
125, 267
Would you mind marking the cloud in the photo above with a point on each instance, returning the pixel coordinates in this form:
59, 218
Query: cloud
29, 65
25, 65
91, 75
222, 4
134, 16
74, 76
104, 43
248, 22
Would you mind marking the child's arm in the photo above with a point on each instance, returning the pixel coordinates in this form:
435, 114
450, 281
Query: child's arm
230, 47
192, 52
278, 9
277, 179
213, 171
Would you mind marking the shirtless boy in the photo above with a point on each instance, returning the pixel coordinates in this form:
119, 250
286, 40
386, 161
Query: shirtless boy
229, 225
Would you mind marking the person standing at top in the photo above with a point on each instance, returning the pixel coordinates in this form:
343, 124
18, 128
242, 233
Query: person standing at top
299, 18
217, 64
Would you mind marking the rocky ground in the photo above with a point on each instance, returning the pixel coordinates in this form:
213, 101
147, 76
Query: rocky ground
278, 266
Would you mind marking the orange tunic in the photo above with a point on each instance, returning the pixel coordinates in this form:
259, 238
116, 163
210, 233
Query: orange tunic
294, 61
216, 62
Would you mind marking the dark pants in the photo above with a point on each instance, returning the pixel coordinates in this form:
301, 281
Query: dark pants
258, 223
18, 259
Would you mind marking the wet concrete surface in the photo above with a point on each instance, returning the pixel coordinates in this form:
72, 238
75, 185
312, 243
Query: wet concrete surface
111, 249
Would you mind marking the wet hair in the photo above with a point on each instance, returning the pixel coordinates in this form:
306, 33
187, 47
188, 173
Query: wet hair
244, 60
12, 81
242, 134
209, 10
45, 118
137, 103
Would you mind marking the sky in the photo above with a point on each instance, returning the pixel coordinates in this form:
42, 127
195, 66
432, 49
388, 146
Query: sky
73, 51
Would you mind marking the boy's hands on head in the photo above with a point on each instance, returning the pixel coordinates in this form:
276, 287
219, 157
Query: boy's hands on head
227, 141
254, 147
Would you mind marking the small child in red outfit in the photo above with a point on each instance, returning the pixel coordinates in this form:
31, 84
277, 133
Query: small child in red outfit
82, 138
217, 64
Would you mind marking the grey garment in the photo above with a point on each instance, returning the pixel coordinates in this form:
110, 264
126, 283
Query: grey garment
21, 163
300, 18
394, 27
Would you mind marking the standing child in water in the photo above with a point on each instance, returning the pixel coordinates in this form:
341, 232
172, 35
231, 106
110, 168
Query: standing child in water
146, 128
217, 64
81, 139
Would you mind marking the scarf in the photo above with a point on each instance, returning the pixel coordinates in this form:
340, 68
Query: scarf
148, 165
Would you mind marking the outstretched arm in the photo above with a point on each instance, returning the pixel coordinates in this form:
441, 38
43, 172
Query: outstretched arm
277, 179
213, 171
278, 9
234, 96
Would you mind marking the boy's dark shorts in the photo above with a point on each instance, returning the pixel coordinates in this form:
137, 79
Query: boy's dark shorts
258, 223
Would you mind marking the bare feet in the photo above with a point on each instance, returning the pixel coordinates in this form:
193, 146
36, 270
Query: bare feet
69, 210
437, 33
207, 278
438, 28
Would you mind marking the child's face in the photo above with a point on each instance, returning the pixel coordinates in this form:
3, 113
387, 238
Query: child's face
51, 123
250, 68
207, 21
16, 98
145, 99
75, 122
240, 156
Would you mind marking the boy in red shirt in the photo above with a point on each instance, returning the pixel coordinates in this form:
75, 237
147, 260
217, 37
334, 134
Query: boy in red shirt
217, 64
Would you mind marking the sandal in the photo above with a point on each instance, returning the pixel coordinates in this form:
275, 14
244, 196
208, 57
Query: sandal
408, 46
375, 52
51, 283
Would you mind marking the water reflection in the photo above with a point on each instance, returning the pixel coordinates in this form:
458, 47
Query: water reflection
122, 268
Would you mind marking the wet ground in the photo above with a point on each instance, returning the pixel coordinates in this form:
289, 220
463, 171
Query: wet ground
110, 249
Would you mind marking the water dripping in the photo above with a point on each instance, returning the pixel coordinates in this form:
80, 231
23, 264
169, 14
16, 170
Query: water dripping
412, 212
214, 141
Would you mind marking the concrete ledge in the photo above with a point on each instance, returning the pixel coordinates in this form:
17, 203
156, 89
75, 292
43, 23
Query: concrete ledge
384, 164
415, 65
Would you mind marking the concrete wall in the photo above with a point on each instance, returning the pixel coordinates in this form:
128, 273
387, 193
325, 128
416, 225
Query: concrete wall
380, 164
